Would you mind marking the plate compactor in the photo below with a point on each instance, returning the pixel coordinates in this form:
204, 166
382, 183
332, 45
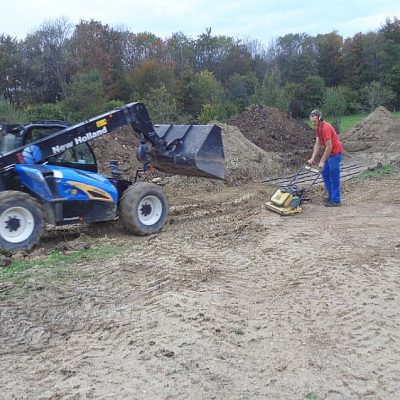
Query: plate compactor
288, 199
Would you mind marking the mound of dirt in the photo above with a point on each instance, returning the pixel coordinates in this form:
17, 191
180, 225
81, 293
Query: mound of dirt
275, 131
121, 145
263, 142
380, 125
376, 137
245, 161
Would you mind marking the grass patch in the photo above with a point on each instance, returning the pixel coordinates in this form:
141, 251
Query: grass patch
310, 396
374, 173
20, 270
348, 121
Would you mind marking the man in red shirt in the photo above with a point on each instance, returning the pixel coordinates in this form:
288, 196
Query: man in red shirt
327, 138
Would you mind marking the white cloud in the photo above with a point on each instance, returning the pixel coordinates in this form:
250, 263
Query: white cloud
254, 19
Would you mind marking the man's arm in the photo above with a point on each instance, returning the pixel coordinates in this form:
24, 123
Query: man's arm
327, 152
315, 152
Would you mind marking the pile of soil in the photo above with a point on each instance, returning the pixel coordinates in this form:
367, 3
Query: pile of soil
244, 160
376, 137
276, 131
260, 143
121, 145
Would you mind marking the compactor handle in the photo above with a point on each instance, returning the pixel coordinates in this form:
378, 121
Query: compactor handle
312, 167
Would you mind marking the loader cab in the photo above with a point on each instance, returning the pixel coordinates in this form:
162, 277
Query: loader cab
78, 157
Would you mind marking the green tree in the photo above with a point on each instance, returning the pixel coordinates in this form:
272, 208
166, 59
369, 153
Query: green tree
162, 106
153, 74
302, 98
10, 69
221, 55
97, 47
236, 60
391, 30
240, 90
45, 61
390, 56
294, 93
271, 92
259, 56
210, 112
180, 51
9, 113
352, 98
295, 57
203, 89
362, 59
371, 69
375, 94
334, 106
392, 80
330, 58
314, 93
353, 60
140, 47
210, 50
85, 96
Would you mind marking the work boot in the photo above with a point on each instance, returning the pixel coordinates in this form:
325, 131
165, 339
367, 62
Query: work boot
332, 204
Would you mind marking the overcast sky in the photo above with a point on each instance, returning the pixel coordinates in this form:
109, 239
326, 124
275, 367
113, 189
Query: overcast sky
261, 20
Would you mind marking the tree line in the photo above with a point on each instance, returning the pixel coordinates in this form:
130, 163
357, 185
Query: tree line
62, 71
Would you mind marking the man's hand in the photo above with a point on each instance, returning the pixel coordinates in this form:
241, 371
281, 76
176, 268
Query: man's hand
311, 161
321, 164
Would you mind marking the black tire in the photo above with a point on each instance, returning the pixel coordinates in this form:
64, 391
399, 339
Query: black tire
144, 209
21, 221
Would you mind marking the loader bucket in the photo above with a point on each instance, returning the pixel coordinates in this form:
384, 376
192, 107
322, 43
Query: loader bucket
193, 150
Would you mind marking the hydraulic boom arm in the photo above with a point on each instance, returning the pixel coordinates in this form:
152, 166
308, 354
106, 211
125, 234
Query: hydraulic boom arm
134, 113
179, 149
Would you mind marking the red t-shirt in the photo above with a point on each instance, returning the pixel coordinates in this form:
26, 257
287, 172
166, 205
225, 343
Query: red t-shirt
326, 131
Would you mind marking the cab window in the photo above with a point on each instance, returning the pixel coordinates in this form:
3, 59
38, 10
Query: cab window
80, 156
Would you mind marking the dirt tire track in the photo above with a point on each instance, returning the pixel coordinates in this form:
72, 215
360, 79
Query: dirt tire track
229, 300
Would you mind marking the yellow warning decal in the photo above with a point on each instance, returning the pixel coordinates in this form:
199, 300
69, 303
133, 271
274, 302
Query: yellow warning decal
101, 122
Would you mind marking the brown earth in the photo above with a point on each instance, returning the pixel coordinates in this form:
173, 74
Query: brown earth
275, 131
229, 300
260, 142
120, 146
376, 138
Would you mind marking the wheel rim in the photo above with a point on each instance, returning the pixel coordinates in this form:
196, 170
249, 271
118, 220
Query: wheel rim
149, 210
16, 224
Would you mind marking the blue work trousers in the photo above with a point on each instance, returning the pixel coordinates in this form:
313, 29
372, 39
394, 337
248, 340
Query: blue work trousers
331, 175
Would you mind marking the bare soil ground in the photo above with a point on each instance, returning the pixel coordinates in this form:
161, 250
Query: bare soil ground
229, 300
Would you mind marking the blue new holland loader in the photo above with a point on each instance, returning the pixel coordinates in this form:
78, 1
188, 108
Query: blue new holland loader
49, 174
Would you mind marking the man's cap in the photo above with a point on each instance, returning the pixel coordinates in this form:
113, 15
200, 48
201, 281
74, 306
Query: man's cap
316, 113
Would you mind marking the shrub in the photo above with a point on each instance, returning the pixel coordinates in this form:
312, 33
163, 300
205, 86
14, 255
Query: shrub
46, 111
9, 113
